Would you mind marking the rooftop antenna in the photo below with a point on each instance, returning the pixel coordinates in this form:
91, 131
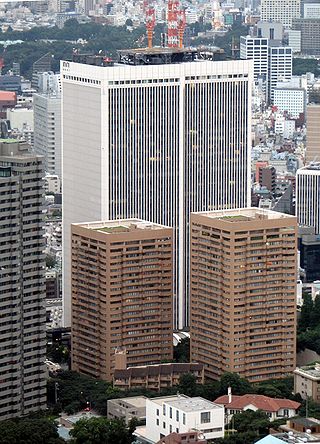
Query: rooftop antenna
173, 10
150, 24
181, 26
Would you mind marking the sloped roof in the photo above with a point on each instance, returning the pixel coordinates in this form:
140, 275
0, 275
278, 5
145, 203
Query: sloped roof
261, 402
7, 95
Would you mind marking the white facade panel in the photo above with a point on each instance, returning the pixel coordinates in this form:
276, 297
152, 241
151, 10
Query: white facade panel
181, 414
47, 131
308, 197
291, 100
282, 11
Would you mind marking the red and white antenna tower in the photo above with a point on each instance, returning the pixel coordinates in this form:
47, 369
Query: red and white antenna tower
181, 26
173, 8
150, 24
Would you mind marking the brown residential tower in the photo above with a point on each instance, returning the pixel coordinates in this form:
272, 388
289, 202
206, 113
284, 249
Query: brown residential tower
243, 292
121, 294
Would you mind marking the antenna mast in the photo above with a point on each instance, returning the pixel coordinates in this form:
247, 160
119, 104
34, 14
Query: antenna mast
150, 24
176, 24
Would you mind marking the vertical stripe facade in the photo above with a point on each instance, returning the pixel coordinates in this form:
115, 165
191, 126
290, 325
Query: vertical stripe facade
166, 140
144, 158
308, 197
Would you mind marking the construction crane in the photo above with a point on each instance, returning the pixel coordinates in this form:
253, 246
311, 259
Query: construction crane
176, 24
150, 24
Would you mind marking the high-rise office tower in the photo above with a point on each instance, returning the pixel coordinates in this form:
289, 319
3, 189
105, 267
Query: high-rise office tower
47, 122
272, 62
121, 295
282, 11
313, 137
308, 29
243, 292
22, 282
256, 49
308, 196
160, 134
280, 65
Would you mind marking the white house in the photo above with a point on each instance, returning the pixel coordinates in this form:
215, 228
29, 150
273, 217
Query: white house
275, 408
182, 414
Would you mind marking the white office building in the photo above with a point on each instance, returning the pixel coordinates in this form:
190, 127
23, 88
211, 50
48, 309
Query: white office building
284, 127
256, 49
158, 135
311, 10
47, 123
308, 196
295, 40
282, 11
280, 66
290, 99
182, 414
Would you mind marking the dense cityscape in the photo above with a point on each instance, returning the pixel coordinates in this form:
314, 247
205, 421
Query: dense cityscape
160, 222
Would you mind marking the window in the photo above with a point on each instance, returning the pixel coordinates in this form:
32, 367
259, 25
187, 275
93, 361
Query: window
164, 409
158, 412
170, 428
184, 418
170, 412
164, 425
157, 421
205, 417
177, 415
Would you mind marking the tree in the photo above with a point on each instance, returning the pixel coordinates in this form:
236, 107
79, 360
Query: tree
50, 261
238, 438
239, 386
181, 352
276, 388
249, 420
101, 431
29, 431
306, 310
315, 313
188, 384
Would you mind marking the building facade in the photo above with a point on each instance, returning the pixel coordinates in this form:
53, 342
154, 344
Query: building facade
243, 292
289, 99
182, 414
308, 196
274, 408
313, 137
309, 29
169, 134
280, 66
127, 408
256, 49
47, 130
121, 295
22, 282
283, 11
309, 248
155, 377
307, 382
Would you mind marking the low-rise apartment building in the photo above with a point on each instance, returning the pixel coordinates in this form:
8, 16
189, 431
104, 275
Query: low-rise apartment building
156, 377
307, 382
182, 414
